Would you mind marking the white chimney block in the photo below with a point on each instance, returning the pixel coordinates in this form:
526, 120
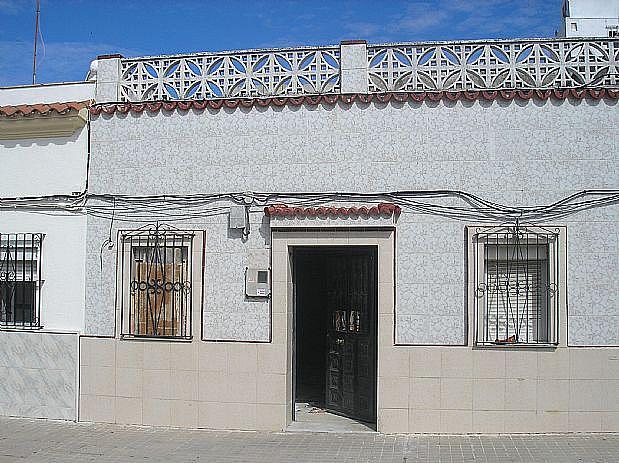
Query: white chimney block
108, 78
354, 66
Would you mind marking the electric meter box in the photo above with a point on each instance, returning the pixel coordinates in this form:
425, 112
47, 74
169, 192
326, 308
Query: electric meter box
237, 218
257, 282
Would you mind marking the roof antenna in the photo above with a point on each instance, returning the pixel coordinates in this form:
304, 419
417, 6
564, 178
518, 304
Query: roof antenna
36, 36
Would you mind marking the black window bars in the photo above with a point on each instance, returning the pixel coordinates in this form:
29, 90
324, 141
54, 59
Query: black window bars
156, 268
516, 278
20, 280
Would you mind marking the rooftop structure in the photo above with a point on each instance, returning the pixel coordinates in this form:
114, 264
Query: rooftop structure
590, 18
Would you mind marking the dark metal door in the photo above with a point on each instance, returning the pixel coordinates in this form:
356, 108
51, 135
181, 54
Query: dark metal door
351, 334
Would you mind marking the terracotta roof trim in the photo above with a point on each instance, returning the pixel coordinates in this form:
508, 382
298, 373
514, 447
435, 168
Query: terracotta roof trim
380, 210
43, 109
314, 100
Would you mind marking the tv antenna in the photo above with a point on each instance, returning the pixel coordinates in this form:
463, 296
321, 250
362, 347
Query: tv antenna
36, 36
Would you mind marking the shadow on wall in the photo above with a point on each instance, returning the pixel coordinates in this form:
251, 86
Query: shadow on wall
484, 103
26, 142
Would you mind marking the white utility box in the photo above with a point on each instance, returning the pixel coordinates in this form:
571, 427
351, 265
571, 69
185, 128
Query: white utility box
257, 282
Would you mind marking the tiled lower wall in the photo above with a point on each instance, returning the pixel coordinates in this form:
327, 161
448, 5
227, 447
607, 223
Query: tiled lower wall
462, 390
38, 374
198, 384
421, 389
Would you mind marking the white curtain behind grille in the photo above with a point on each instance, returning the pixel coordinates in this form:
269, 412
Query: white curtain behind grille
18, 262
516, 298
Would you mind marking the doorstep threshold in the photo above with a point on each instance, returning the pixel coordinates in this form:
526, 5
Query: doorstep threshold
309, 418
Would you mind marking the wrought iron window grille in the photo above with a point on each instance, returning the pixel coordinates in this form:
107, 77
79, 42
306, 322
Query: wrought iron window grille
516, 281
20, 280
156, 282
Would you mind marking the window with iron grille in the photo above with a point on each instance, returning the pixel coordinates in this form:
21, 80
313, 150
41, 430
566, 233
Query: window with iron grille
156, 283
20, 280
516, 285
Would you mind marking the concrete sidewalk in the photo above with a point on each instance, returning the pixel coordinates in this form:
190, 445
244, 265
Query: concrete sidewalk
25, 440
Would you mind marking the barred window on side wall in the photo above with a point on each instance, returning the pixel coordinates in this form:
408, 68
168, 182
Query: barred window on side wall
20, 280
516, 278
156, 281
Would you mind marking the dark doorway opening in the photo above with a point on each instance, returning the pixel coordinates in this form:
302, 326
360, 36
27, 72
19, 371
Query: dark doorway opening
335, 325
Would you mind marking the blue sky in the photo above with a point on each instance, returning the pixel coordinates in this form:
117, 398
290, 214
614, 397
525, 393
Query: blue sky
76, 31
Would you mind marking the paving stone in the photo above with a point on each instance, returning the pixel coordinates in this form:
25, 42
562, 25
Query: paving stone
34, 441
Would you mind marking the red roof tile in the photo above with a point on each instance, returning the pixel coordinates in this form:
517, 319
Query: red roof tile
382, 209
314, 100
42, 109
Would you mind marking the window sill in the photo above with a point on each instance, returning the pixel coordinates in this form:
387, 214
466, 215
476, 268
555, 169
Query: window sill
127, 337
516, 345
20, 328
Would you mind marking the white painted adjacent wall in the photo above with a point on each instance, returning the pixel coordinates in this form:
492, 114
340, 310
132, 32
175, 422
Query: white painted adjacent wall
47, 93
62, 264
590, 18
43, 167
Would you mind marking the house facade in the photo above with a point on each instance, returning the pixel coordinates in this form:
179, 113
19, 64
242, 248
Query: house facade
400, 237
419, 236
44, 154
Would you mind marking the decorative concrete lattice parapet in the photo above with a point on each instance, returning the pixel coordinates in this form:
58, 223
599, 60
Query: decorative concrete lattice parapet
493, 65
245, 74
355, 67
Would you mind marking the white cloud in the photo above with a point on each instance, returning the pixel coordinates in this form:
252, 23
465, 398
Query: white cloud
362, 29
422, 20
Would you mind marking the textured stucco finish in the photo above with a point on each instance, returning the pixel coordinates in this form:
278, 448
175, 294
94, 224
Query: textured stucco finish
228, 315
517, 153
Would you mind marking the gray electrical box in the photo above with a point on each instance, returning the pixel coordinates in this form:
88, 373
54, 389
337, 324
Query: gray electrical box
257, 282
237, 218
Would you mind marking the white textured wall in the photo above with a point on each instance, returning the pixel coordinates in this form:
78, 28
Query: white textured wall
517, 153
592, 17
594, 8
228, 315
38, 369
589, 27
63, 256
47, 93
44, 166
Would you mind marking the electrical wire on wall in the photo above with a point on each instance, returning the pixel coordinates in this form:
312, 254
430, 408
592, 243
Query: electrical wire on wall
171, 208
109, 242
